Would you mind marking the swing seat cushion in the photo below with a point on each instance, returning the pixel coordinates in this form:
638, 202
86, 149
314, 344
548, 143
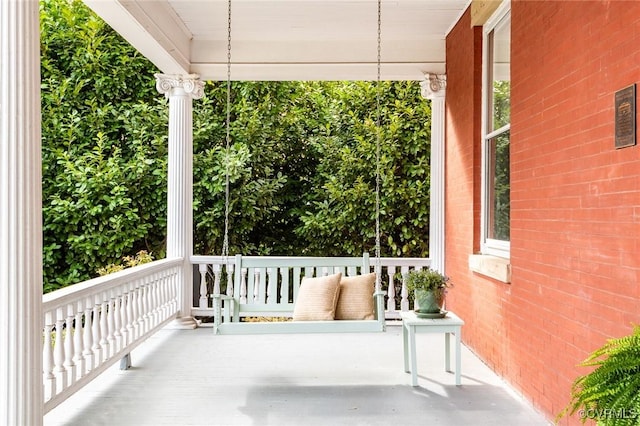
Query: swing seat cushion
356, 298
317, 298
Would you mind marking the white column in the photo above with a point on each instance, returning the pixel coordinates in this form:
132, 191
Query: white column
433, 88
181, 90
21, 322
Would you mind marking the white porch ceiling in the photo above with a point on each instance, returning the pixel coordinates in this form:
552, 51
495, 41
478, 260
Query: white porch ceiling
287, 39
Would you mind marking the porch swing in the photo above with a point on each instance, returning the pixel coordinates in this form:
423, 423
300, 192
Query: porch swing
320, 294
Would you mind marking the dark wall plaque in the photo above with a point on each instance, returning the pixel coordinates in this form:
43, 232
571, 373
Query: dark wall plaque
625, 105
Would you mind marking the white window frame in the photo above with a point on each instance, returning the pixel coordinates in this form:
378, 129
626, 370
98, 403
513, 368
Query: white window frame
490, 246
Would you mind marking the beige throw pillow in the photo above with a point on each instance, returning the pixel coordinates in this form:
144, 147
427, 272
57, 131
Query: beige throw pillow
317, 298
356, 298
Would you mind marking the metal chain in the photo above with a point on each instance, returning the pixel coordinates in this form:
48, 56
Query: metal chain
378, 267
225, 245
225, 242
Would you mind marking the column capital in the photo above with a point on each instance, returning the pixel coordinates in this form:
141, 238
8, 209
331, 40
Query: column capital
174, 84
434, 86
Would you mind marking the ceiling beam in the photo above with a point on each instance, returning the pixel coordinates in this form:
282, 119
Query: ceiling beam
481, 10
152, 27
318, 71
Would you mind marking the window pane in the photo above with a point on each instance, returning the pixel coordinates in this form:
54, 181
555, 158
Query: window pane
500, 40
501, 104
499, 187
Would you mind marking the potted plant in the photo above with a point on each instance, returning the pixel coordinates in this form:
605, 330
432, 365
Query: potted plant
428, 287
609, 394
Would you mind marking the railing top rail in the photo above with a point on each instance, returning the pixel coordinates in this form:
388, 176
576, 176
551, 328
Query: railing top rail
405, 261
300, 261
73, 293
198, 259
330, 261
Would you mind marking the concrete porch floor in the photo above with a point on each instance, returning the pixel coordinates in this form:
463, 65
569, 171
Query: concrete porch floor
192, 377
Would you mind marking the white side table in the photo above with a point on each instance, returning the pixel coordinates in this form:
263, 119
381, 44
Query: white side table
411, 324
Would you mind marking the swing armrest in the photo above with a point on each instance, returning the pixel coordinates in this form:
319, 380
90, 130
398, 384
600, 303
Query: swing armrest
221, 309
378, 301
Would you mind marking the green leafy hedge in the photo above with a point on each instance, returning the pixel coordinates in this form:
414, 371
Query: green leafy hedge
301, 165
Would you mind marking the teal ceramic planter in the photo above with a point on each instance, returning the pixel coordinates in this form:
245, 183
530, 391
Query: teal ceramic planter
429, 301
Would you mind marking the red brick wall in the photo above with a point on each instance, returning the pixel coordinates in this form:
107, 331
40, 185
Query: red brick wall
575, 199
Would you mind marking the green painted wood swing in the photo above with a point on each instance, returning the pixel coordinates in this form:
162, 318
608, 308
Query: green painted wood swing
319, 294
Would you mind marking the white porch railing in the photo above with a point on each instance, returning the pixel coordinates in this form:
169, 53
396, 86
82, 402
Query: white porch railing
213, 280
91, 325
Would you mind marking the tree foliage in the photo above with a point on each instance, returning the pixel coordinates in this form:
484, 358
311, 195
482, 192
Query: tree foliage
340, 214
301, 164
104, 146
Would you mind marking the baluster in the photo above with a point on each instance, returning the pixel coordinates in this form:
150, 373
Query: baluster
155, 303
243, 286
404, 303
69, 350
176, 284
146, 304
167, 295
77, 341
269, 286
140, 308
217, 274
256, 285
58, 352
95, 331
124, 330
352, 271
150, 303
391, 291
117, 322
171, 283
133, 318
47, 357
129, 315
138, 313
104, 328
134, 311
111, 326
204, 301
308, 271
284, 285
163, 297
87, 337
297, 278
230, 270
166, 299
142, 313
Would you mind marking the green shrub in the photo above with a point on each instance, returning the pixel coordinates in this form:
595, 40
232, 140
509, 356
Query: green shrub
127, 262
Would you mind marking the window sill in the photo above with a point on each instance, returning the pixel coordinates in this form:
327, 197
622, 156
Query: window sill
494, 267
